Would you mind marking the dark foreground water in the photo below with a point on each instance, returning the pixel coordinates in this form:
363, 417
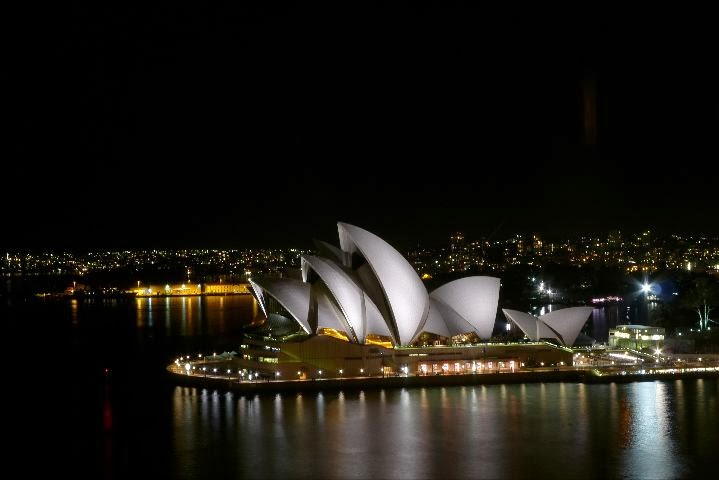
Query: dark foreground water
92, 402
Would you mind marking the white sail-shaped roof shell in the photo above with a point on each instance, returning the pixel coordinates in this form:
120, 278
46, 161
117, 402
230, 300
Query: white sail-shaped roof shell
330, 251
406, 296
293, 295
568, 322
456, 323
563, 325
475, 299
358, 309
330, 316
545, 331
435, 322
526, 322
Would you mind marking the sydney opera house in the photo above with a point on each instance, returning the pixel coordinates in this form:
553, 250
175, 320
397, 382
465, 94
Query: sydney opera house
361, 309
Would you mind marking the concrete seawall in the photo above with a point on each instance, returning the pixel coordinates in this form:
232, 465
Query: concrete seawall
572, 376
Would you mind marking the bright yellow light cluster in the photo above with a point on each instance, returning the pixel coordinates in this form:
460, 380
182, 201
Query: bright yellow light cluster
331, 332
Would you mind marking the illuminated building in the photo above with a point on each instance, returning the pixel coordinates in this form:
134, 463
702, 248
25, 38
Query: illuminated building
226, 288
367, 289
186, 289
363, 310
636, 337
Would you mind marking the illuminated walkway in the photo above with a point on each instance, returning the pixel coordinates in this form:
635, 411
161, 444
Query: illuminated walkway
226, 381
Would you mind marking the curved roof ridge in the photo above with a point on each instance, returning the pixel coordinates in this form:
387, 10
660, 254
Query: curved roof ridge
568, 322
405, 293
293, 295
455, 321
525, 321
351, 299
475, 299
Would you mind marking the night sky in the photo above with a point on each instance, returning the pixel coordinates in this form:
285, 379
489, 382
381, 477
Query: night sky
229, 127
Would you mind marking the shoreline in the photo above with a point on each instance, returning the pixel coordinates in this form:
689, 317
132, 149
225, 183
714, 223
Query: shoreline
203, 294
360, 383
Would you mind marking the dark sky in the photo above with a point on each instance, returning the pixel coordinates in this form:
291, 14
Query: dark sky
235, 127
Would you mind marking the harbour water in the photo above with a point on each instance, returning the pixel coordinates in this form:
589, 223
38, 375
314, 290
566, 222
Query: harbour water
102, 408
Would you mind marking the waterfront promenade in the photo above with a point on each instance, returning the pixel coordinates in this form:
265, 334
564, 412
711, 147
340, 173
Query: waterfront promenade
567, 374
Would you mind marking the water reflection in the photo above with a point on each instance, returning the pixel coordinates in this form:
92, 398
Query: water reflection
189, 316
73, 311
649, 433
509, 431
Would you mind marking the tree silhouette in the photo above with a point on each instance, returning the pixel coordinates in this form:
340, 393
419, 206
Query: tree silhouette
702, 297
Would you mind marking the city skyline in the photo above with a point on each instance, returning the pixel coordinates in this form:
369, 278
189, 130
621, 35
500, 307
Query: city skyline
644, 251
410, 122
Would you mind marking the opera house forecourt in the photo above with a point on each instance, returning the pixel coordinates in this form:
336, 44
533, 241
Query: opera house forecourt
361, 310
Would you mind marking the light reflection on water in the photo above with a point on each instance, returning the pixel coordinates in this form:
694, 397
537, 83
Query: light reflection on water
191, 316
509, 431
144, 426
